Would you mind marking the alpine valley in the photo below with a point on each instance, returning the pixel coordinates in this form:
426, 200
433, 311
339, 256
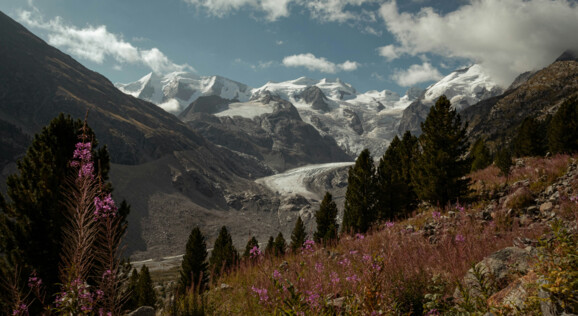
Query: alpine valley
192, 150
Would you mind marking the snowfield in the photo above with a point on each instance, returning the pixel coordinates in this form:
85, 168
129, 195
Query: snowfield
293, 181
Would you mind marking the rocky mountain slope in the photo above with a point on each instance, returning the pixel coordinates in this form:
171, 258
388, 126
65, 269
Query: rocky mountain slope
172, 176
532, 94
463, 88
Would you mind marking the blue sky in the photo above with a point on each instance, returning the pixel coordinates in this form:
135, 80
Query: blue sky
372, 44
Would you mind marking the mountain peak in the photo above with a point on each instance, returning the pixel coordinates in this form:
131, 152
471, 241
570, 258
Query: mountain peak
568, 55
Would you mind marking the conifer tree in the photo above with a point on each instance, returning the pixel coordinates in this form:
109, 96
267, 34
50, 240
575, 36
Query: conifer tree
563, 129
530, 139
438, 174
481, 157
36, 195
224, 255
145, 289
395, 192
326, 218
131, 290
270, 248
360, 209
252, 243
298, 235
504, 162
279, 246
194, 266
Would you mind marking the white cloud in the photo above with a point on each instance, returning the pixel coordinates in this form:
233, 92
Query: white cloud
377, 76
416, 74
279, 43
320, 64
171, 106
97, 43
274, 9
506, 36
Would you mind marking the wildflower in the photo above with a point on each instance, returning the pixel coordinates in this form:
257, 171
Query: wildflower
460, 208
389, 224
104, 207
107, 274
353, 279
276, 275
308, 245
460, 238
312, 299
22, 309
263, 296
574, 198
436, 215
34, 281
334, 278
359, 236
319, 267
345, 262
366, 258
255, 252
82, 157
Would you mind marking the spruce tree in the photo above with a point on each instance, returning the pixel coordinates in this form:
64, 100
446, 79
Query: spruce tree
530, 139
439, 171
360, 209
132, 294
481, 157
504, 162
252, 243
145, 289
279, 246
270, 248
194, 266
36, 194
563, 129
298, 235
224, 255
396, 196
326, 218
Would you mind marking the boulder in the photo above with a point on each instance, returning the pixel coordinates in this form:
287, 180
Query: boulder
143, 311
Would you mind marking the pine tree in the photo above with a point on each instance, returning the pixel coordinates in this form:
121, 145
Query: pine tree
224, 255
563, 129
270, 248
145, 289
35, 209
530, 139
439, 171
252, 243
481, 157
360, 198
194, 266
298, 235
504, 162
326, 218
395, 191
279, 246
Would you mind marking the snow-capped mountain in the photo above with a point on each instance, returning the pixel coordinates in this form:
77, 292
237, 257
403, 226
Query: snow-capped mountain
464, 87
175, 91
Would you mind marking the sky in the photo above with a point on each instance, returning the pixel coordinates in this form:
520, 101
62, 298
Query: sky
371, 44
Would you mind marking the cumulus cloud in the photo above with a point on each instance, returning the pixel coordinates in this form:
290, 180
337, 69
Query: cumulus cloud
320, 64
97, 43
506, 36
416, 74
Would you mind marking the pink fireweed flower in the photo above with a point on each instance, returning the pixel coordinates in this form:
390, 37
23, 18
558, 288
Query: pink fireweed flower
460, 238
353, 279
34, 281
574, 199
255, 252
82, 158
312, 299
319, 267
359, 236
389, 224
308, 245
352, 252
460, 208
276, 275
344, 262
22, 309
105, 207
334, 278
366, 258
436, 215
262, 293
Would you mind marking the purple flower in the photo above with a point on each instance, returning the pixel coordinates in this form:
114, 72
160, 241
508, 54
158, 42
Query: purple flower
308, 245
104, 207
460, 238
359, 236
574, 198
345, 262
263, 297
312, 298
366, 258
34, 282
255, 252
353, 279
436, 214
82, 157
389, 224
319, 267
460, 208
22, 309
276, 275
334, 278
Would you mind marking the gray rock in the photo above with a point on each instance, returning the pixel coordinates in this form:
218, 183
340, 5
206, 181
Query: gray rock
546, 207
143, 311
